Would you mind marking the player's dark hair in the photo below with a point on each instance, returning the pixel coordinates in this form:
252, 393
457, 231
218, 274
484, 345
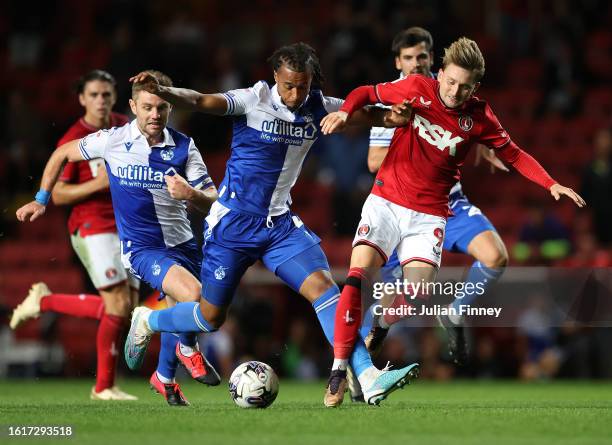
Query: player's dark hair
163, 79
100, 75
411, 37
299, 57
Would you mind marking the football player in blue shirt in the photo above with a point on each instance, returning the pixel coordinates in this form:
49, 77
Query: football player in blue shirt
153, 172
274, 128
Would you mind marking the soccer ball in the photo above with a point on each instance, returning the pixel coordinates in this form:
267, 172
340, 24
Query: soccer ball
253, 385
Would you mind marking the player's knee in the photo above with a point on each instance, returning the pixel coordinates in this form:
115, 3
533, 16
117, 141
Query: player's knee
216, 321
214, 315
495, 258
117, 300
193, 291
322, 287
124, 307
317, 284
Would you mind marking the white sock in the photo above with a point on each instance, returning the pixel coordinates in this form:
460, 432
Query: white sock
146, 323
454, 318
382, 323
367, 377
164, 379
357, 385
340, 363
187, 350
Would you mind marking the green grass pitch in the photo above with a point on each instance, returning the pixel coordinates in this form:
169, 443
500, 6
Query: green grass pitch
424, 413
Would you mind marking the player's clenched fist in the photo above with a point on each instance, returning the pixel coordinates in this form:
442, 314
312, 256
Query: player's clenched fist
178, 187
334, 122
149, 82
32, 210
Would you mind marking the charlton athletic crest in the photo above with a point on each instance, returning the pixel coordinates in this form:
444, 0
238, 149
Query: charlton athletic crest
465, 122
363, 230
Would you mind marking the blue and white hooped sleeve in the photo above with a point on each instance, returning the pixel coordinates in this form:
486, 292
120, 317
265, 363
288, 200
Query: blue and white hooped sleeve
94, 145
195, 170
381, 136
242, 101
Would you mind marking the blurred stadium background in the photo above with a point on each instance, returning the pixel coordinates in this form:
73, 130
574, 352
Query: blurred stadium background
548, 77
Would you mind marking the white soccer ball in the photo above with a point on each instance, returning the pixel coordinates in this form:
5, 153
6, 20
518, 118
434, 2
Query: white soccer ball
253, 385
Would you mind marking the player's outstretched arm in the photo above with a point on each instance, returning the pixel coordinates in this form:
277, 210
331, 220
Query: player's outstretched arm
183, 97
66, 194
489, 155
179, 188
557, 190
358, 98
67, 152
334, 122
527, 166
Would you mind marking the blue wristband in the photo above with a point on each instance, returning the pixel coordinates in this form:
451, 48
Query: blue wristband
42, 197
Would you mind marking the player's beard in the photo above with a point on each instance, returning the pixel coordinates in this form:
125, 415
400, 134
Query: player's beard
424, 71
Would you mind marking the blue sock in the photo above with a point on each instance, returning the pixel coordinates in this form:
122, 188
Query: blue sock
366, 324
184, 317
167, 361
360, 358
481, 277
189, 339
325, 307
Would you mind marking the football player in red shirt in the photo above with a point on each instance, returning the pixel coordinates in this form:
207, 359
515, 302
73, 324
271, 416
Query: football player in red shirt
408, 205
93, 233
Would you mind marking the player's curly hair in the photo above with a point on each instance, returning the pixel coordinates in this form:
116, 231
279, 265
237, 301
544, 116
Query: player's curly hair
163, 79
100, 75
299, 57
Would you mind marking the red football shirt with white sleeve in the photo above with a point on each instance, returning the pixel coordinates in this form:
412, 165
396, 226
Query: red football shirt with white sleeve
424, 157
94, 214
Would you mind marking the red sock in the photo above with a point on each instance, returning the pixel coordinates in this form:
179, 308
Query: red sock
81, 305
107, 343
417, 298
400, 304
348, 314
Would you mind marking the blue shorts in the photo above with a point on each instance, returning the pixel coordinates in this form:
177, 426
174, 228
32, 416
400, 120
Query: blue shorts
152, 264
461, 228
233, 241
467, 222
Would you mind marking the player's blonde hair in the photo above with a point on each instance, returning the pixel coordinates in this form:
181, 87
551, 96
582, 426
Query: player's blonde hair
466, 54
163, 79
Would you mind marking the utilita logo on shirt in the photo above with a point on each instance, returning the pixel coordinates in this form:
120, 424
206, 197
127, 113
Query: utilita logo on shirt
286, 132
143, 176
436, 135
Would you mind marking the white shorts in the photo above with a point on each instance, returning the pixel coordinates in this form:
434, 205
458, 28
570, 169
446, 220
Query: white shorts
387, 226
101, 256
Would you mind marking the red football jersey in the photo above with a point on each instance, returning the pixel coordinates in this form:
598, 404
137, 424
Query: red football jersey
424, 157
95, 214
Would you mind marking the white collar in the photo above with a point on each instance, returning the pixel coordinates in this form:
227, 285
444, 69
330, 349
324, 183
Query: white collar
167, 140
